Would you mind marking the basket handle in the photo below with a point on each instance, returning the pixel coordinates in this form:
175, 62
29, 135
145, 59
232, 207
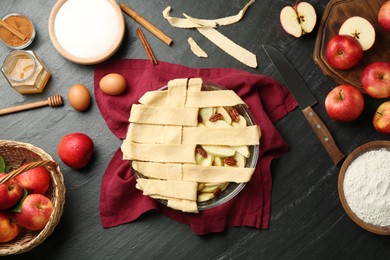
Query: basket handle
27, 167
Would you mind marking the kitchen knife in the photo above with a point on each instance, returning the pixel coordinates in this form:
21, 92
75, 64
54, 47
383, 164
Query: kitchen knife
305, 100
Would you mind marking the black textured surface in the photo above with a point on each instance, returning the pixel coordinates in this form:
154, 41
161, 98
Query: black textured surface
307, 219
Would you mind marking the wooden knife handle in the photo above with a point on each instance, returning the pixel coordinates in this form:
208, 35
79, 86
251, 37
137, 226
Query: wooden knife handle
323, 134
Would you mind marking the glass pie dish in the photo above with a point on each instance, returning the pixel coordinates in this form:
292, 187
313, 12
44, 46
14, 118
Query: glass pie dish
232, 189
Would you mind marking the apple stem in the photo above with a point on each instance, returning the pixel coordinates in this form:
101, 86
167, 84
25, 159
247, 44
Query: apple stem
341, 97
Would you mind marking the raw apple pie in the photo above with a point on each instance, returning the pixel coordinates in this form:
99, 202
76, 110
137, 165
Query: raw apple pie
188, 144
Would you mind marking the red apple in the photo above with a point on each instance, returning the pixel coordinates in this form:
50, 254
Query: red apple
8, 227
344, 103
36, 180
343, 52
35, 212
75, 150
376, 79
381, 120
384, 16
10, 193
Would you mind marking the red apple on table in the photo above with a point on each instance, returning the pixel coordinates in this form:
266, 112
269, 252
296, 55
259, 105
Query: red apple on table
8, 227
299, 19
36, 180
384, 16
35, 212
344, 103
10, 192
376, 79
75, 150
343, 52
381, 120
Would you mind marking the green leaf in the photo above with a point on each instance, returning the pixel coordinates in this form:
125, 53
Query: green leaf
18, 207
2, 164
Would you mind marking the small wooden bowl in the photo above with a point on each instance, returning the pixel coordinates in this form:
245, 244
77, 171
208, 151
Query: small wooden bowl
81, 60
15, 153
375, 145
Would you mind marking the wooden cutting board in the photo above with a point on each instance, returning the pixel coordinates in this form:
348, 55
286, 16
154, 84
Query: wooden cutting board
336, 12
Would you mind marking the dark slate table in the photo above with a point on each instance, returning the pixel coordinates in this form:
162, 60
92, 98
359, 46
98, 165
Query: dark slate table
307, 219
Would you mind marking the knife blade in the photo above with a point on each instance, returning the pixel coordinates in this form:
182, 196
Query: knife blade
305, 99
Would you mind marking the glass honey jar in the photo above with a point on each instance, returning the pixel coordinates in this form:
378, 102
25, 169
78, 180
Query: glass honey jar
25, 72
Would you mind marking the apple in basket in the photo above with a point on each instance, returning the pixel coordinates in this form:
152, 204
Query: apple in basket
36, 180
8, 227
344, 103
381, 120
343, 52
376, 79
35, 212
10, 193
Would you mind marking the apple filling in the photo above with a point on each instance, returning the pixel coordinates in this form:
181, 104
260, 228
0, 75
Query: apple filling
186, 144
214, 155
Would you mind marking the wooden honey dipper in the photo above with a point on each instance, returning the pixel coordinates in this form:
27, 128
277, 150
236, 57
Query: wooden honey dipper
53, 101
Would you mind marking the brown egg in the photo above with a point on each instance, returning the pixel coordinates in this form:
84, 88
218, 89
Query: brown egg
79, 97
113, 84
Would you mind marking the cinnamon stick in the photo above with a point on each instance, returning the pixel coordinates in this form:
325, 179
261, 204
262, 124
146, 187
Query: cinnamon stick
150, 27
13, 30
146, 45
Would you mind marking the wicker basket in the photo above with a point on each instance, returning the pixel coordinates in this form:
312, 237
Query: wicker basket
16, 153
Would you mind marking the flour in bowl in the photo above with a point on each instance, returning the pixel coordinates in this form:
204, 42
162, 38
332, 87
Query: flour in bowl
367, 187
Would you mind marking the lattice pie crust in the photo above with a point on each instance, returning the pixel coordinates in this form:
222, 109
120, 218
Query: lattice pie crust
180, 156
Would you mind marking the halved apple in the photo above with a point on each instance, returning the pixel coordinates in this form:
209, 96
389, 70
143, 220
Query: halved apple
298, 20
361, 29
219, 151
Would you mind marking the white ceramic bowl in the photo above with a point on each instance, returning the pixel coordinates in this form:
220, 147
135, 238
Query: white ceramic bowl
88, 60
375, 145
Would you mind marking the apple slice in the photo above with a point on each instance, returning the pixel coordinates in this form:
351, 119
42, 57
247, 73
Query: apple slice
218, 124
241, 160
298, 20
206, 112
361, 29
200, 186
218, 161
241, 123
200, 160
225, 114
243, 150
205, 196
223, 186
210, 188
219, 151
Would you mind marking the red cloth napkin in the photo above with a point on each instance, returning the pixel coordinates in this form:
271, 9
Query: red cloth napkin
121, 202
